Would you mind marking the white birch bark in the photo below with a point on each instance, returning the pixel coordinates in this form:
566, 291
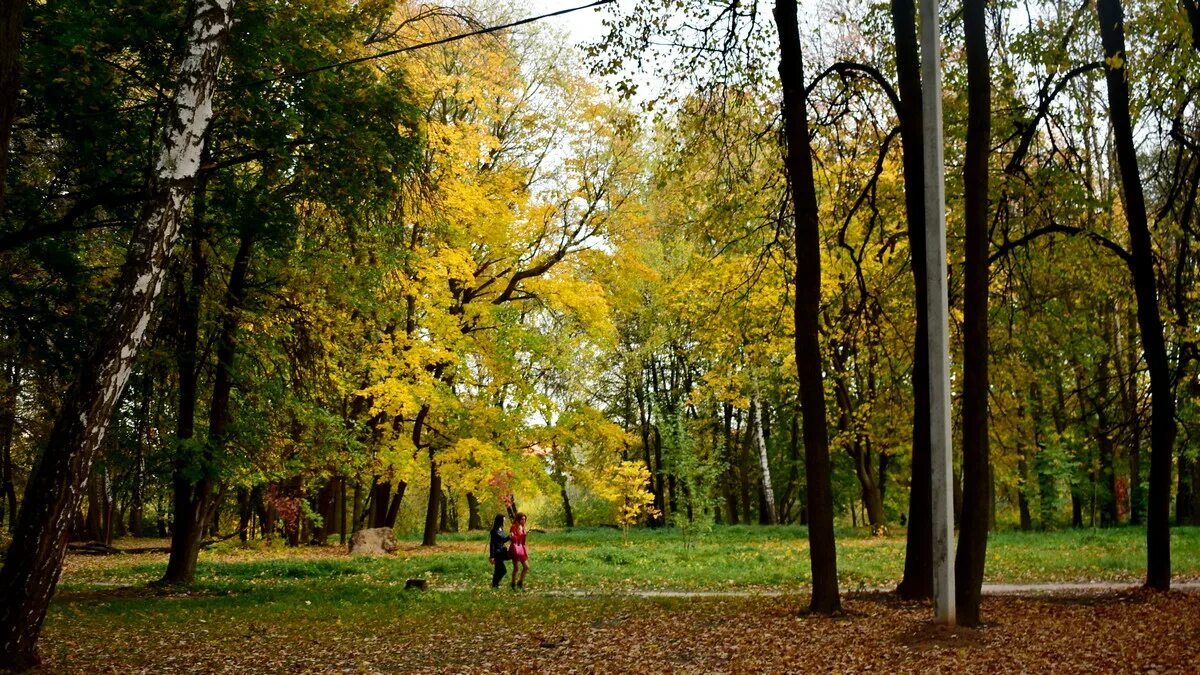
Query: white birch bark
760, 438
56, 488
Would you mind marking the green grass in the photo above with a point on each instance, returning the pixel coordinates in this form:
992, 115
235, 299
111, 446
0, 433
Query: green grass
248, 601
727, 558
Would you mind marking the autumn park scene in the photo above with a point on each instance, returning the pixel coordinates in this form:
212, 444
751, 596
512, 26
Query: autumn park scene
599, 336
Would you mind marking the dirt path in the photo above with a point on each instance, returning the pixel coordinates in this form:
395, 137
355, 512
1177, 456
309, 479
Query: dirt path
1032, 590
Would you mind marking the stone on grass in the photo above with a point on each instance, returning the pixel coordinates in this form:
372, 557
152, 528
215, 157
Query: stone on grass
375, 541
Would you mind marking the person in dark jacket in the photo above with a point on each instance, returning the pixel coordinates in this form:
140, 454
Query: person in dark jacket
497, 553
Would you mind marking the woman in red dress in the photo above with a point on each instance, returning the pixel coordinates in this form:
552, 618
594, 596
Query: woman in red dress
520, 554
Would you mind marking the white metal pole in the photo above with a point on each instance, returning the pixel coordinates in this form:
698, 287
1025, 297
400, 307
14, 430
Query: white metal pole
939, 347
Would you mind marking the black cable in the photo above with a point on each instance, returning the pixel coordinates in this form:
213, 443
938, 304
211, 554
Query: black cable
423, 45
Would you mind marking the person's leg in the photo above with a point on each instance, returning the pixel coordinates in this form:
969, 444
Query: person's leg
513, 581
498, 573
524, 571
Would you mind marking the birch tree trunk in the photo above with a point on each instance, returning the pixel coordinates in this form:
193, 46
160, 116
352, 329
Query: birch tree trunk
768, 491
56, 487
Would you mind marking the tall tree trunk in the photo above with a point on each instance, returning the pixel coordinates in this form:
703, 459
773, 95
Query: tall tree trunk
381, 492
8, 419
245, 513
393, 509
729, 477
475, 520
764, 465
11, 15
431, 511
798, 160
93, 524
918, 555
1145, 290
194, 495
1127, 365
973, 531
137, 496
55, 488
1106, 447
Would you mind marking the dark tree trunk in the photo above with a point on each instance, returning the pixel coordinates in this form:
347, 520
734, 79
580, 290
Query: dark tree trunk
245, 513
1127, 363
660, 496
918, 555
798, 161
327, 508
1185, 496
728, 479
393, 510
1022, 490
973, 532
8, 419
55, 488
194, 495
1107, 478
11, 15
137, 497
431, 511
475, 521
93, 523
1145, 290
381, 493
744, 483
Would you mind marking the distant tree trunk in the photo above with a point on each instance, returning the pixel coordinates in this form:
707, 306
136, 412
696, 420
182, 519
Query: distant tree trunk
10, 388
327, 508
356, 506
342, 524
11, 15
431, 511
1186, 510
245, 513
213, 526
1145, 290
1106, 447
137, 497
1022, 487
55, 490
729, 478
475, 520
194, 496
381, 492
764, 465
798, 161
93, 523
660, 490
445, 524
973, 530
918, 556
393, 510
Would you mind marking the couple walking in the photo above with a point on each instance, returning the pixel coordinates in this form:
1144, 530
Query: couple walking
498, 552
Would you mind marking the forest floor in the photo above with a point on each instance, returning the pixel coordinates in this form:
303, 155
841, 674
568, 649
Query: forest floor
656, 604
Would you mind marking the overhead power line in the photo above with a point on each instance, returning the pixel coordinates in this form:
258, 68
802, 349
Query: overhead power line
423, 45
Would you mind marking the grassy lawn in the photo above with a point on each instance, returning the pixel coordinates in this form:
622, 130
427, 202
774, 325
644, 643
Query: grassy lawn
728, 558
271, 609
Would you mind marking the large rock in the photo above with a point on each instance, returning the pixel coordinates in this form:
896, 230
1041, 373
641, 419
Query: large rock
375, 541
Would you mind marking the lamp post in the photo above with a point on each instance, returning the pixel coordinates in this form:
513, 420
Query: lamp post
939, 347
